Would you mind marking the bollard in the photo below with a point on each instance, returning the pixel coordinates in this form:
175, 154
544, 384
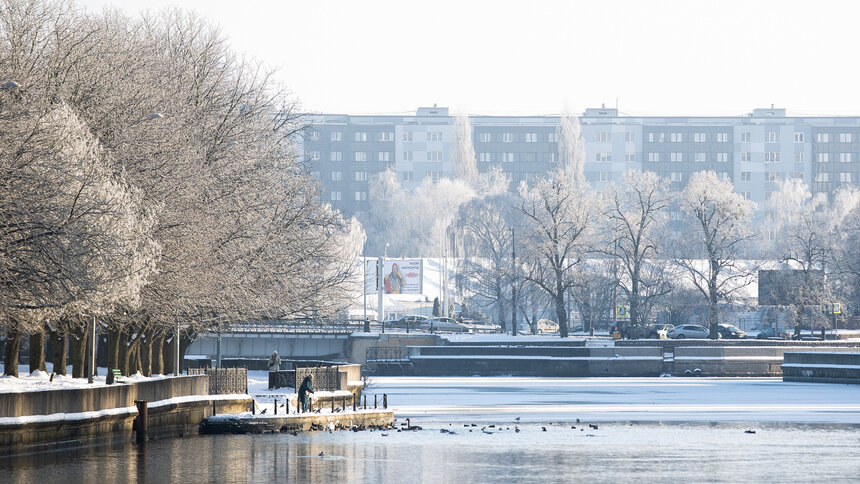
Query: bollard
332, 404
374, 402
287, 406
213, 408
253, 407
365, 402
385, 400
343, 404
276, 406
353, 402
142, 426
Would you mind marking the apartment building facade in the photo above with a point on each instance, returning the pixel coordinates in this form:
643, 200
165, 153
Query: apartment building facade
755, 151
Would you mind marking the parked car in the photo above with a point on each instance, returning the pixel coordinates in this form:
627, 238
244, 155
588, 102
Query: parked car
410, 321
656, 331
768, 333
688, 331
447, 325
730, 331
547, 326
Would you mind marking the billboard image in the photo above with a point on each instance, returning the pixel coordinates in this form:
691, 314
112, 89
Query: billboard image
402, 276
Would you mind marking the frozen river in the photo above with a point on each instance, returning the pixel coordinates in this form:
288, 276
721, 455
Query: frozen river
651, 430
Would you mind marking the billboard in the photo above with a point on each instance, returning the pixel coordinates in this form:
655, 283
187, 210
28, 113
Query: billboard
403, 276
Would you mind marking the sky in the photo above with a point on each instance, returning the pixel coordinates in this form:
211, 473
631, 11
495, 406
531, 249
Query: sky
546, 57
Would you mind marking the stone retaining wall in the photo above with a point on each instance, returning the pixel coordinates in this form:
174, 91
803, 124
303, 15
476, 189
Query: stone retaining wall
823, 367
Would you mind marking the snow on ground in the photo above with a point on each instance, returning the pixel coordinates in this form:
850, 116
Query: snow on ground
664, 399
40, 380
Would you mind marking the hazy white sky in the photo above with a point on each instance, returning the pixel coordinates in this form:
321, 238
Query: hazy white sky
541, 57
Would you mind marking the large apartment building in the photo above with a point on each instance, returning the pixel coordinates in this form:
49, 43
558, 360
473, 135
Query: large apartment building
754, 151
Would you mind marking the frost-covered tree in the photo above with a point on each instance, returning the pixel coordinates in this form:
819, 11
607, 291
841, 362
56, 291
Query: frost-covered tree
712, 244
464, 160
557, 216
571, 147
636, 229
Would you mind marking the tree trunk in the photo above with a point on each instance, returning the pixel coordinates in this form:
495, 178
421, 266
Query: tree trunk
123, 353
37, 350
13, 347
561, 314
79, 350
113, 348
145, 353
59, 342
167, 355
157, 358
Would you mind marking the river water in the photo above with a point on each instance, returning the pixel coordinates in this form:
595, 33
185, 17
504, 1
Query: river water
520, 430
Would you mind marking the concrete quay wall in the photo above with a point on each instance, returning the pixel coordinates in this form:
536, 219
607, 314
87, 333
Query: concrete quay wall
822, 367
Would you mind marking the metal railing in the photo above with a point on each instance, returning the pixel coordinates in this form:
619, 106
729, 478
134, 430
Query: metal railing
224, 381
386, 353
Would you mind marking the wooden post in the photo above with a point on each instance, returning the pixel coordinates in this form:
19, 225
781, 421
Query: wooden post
385, 400
276, 406
353, 402
332, 404
374, 402
213, 408
142, 426
365, 402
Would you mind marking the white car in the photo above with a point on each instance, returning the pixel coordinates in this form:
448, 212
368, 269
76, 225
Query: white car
688, 331
445, 325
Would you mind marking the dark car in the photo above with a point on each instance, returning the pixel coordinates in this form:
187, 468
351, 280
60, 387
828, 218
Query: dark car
768, 333
411, 321
730, 331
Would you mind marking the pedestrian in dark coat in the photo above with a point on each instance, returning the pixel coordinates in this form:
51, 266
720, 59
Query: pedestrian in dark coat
306, 387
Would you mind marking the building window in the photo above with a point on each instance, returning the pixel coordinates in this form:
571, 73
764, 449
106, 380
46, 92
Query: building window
336, 156
434, 136
551, 137
485, 137
771, 176
746, 156
360, 196
336, 135
746, 136
434, 156
507, 157
604, 137
335, 196
798, 175
315, 135
507, 137
384, 156
722, 137
360, 136
656, 137
724, 175
654, 157
603, 156
336, 176
823, 137
360, 156
675, 176
407, 136
629, 136
746, 176
699, 157
407, 156
772, 137
700, 137
822, 157
484, 157
434, 175
846, 137
845, 177
822, 177
603, 176
722, 157
798, 137
676, 138
771, 157
553, 157
845, 157
531, 137
629, 157
386, 136
676, 157
407, 176
361, 176
798, 156
314, 155
747, 195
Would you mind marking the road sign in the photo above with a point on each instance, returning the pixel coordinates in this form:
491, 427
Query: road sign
622, 311
834, 308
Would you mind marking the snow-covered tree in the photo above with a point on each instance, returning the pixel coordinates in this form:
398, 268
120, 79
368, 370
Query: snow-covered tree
464, 160
571, 147
558, 216
712, 244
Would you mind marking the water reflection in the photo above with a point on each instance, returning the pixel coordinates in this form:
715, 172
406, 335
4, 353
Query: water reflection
615, 451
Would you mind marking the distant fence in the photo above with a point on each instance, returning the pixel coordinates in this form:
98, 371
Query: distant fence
327, 378
224, 381
386, 353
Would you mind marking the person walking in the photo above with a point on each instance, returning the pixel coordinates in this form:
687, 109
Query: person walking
306, 387
274, 362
